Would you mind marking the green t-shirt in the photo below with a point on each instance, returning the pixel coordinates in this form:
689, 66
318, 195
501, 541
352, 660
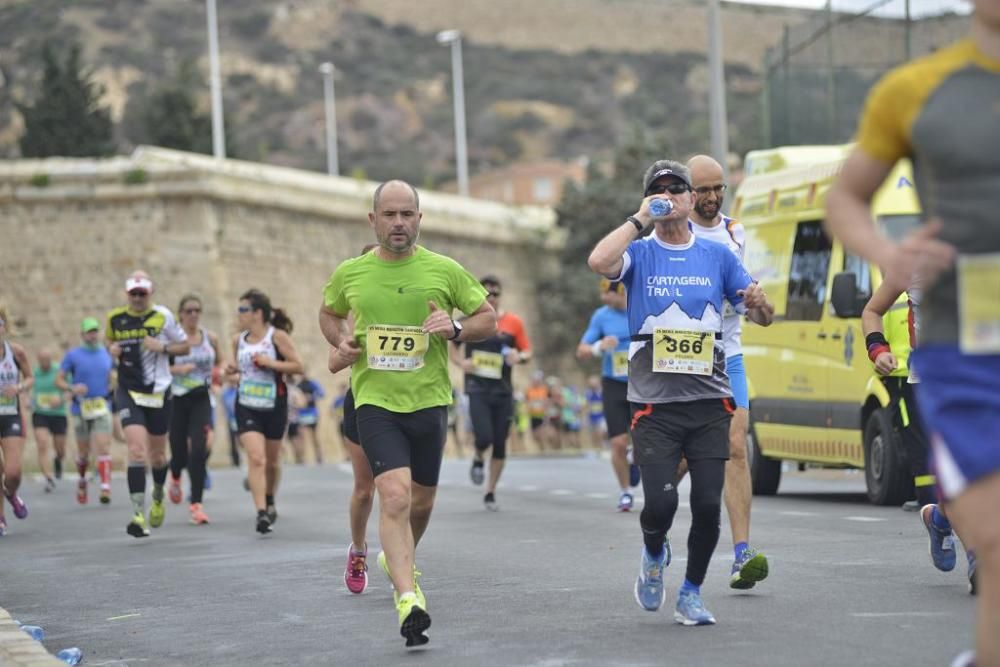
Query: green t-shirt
45, 393
385, 294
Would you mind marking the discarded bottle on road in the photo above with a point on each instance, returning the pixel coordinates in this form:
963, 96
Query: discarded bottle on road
71, 656
661, 208
36, 632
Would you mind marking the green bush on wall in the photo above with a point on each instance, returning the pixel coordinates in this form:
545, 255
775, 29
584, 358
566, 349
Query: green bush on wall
136, 176
39, 181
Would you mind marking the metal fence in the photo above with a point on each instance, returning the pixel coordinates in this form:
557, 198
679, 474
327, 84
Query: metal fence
817, 78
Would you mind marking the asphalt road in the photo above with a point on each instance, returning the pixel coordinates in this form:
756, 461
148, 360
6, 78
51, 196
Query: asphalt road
545, 581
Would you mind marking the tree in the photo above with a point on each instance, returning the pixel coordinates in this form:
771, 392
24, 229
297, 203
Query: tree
169, 116
567, 287
66, 118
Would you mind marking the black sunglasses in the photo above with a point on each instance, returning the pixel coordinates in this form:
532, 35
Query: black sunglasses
191, 310
138, 292
673, 188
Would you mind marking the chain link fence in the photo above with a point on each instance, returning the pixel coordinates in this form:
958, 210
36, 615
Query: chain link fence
816, 79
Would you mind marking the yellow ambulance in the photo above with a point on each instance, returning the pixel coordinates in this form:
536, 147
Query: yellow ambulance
814, 399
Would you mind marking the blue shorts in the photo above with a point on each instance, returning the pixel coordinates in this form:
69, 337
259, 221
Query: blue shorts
737, 373
960, 401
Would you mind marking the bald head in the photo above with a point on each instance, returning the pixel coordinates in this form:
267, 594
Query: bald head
708, 181
704, 170
45, 358
395, 187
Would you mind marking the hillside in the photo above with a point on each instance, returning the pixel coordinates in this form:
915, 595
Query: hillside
558, 78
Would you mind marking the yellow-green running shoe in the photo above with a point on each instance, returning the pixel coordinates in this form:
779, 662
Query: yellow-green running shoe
416, 585
156, 513
137, 526
750, 569
413, 620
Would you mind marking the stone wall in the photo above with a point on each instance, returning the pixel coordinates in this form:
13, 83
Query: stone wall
72, 230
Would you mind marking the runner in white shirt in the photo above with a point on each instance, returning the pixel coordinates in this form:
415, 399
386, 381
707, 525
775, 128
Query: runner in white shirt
708, 222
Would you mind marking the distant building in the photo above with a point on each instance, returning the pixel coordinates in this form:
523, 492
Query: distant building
525, 183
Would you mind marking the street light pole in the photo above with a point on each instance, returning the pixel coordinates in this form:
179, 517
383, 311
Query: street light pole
454, 38
330, 106
717, 90
218, 127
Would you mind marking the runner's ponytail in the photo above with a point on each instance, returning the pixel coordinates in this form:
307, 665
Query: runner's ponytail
281, 320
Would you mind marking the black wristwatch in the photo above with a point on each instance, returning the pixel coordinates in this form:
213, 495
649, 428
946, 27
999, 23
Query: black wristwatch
458, 329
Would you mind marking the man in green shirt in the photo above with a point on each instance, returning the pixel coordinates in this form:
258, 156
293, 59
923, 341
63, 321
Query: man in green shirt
402, 296
48, 418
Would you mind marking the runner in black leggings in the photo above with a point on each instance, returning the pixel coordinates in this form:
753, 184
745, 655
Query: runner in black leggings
191, 418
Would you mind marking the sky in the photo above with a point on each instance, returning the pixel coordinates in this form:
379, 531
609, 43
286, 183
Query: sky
893, 8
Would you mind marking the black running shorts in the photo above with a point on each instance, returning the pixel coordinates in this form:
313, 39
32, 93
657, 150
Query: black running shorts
271, 423
349, 427
617, 411
55, 423
155, 420
663, 432
413, 440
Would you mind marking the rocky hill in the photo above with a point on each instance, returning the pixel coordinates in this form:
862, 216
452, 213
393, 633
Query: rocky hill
558, 78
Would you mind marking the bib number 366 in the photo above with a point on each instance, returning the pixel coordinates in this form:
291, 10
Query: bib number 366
683, 351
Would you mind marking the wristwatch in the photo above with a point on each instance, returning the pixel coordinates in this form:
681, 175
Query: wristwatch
458, 329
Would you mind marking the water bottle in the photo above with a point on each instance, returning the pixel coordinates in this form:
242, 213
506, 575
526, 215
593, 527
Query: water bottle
660, 208
71, 656
36, 632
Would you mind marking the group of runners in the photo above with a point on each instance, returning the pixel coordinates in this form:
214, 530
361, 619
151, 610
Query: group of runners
152, 376
675, 293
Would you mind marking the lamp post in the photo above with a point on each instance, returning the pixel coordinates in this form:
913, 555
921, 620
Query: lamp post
454, 39
330, 106
218, 127
717, 89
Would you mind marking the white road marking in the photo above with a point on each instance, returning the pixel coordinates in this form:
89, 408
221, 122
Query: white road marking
562, 492
793, 513
892, 614
864, 519
118, 618
527, 488
599, 496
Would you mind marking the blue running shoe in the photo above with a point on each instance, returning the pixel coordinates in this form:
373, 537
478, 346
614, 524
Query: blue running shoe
649, 590
942, 546
750, 569
691, 611
625, 502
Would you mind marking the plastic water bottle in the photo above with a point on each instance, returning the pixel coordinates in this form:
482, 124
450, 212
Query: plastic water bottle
661, 208
71, 656
36, 632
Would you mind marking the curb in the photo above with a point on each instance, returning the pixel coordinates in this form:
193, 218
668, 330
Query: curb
18, 649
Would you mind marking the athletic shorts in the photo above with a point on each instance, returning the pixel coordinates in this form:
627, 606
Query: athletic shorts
617, 411
309, 418
737, 373
959, 398
270, 423
537, 423
155, 420
491, 415
11, 426
293, 429
663, 432
349, 427
413, 440
56, 424
86, 428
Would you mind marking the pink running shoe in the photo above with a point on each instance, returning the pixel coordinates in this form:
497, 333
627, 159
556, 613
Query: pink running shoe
20, 509
356, 574
175, 493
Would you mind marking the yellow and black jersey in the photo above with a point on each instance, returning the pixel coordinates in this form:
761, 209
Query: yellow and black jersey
943, 112
140, 369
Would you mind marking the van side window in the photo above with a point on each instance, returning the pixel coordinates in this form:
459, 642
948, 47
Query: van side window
862, 275
807, 277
